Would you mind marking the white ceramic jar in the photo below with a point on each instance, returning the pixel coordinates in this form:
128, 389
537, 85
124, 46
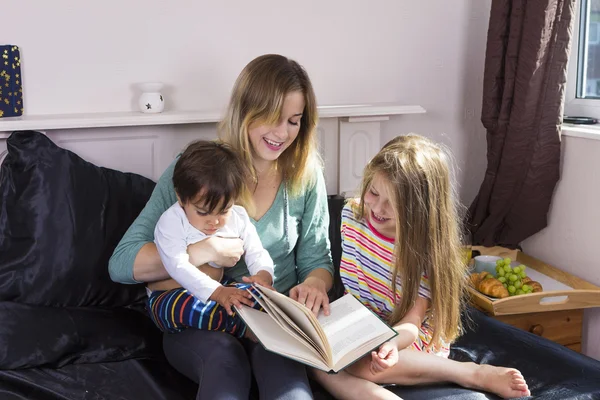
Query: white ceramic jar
151, 100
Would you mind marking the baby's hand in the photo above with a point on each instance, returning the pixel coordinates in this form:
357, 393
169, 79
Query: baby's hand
263, 278
230, 296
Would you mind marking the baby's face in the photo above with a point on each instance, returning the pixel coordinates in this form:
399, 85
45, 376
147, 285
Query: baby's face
207, 223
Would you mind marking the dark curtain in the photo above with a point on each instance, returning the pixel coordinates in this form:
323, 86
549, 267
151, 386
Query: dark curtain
527, 51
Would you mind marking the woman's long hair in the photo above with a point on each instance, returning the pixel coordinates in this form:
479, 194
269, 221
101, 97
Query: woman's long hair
257, 98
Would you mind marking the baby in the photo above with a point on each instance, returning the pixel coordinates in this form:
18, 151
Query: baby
209, 178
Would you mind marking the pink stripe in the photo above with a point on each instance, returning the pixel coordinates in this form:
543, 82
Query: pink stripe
362, 242
365, 240
379, 234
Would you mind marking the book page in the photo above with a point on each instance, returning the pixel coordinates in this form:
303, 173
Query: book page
286, 323
361, 351
301, 316
350, 325
272, 309
274, 338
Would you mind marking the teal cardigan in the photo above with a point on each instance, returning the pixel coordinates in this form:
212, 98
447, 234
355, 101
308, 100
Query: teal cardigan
294, 231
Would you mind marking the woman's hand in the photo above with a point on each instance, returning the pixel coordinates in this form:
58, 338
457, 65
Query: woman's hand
385, 358
313, 294
225, 252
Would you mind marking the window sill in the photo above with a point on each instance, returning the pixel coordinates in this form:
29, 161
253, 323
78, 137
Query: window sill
581, 131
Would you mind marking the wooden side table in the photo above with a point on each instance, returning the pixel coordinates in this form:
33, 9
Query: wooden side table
560, 322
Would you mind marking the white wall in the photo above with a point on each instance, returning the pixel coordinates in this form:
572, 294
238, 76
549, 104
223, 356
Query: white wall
570, 241
86, 56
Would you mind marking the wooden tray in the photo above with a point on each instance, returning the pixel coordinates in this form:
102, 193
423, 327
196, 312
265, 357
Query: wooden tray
571, 292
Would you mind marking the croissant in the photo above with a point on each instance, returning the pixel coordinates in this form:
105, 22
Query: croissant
493, 287
474, 279
536, 286
477, 277
526, 280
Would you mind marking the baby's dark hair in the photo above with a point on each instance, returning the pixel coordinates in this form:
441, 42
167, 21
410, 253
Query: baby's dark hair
212, 169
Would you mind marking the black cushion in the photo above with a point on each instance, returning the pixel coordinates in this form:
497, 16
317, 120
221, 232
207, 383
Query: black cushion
34, 336
60, 220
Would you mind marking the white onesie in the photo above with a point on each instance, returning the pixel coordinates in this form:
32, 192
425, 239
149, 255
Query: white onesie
174, 233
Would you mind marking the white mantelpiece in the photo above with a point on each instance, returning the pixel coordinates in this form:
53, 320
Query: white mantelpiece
349, 135
103, 120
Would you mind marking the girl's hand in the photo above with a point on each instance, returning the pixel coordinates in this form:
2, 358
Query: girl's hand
263, 278
385, 358
313, 294
225, 252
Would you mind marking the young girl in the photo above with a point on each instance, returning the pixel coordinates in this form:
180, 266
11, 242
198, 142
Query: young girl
208, 178
402, 259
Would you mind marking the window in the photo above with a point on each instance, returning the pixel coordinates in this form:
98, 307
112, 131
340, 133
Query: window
583, 83
588, 57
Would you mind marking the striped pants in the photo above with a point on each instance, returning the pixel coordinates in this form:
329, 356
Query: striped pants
175, 310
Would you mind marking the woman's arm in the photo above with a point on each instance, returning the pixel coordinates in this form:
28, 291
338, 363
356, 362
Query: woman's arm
313, 253
135, 258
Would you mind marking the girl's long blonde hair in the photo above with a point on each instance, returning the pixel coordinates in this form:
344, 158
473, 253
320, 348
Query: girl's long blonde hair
427, 229
257, 97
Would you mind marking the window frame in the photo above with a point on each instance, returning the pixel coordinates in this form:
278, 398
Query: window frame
575, 106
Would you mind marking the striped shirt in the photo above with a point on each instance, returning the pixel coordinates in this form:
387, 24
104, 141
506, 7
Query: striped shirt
366, 272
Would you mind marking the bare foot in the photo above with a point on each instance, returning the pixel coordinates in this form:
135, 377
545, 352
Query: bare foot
507, 383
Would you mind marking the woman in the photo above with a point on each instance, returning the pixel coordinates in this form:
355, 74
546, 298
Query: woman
271, 121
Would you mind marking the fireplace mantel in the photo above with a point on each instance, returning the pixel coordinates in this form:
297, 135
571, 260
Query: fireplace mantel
121, 119
349, 135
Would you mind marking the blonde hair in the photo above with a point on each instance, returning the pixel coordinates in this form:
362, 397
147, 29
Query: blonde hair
427, 229
257, 97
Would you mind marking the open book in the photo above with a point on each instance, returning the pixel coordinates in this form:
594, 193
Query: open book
329, 343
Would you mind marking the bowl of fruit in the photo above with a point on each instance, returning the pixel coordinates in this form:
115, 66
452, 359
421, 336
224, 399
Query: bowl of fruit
508, 280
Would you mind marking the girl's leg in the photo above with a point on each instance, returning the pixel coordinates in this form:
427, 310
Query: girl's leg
217, 362
345, 386
278, 377
416, 367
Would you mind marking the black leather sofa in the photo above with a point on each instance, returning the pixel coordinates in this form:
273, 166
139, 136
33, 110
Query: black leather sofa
68, 332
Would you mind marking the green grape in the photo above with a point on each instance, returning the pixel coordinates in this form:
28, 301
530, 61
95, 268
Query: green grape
501, 272
526, 287
507, 261
523, 274
512, 278
502, 279
511, 289
507, 268
518, 284
522, 267
516, 270
520, 291
499, 263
